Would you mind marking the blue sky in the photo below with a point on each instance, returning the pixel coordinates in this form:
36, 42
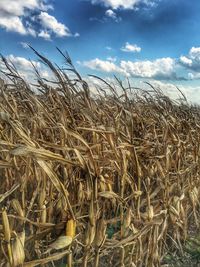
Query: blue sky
151, 40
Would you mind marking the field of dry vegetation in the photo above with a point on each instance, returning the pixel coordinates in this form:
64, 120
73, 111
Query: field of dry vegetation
110, 179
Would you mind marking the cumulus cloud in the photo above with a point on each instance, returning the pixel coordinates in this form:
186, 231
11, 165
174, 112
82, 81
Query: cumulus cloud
102, 65
112, 59
185, 61
15, 17
22, 63
110, 13
113, 15
193, 76
30, 30
19, 7
192, 93
131, 48
12, 23
25, 67
11, 14
44, 34
125, 4
192, 60
163, 68
50, 23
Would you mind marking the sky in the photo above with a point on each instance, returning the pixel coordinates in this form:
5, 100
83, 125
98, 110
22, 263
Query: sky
145, 40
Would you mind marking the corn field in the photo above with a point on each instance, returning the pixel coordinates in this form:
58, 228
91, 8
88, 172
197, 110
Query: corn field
105, 179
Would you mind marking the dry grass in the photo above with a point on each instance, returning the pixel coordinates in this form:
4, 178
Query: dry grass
120, 169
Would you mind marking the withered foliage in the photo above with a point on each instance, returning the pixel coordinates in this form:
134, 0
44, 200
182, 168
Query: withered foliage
119, 169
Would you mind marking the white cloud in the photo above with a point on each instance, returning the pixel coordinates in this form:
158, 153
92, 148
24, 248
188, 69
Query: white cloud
125, 4
18, 8
11, 14
131, 48
163, 68
192, 93
167, 88
98, 64
192, 60
94, 84
31, 31
12, 23
45, 74
25, 67
44, 34
194, 52
185, 61
22, 63
111, 14
14, 16
193, 76
102, 65
50, 23
112, 59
